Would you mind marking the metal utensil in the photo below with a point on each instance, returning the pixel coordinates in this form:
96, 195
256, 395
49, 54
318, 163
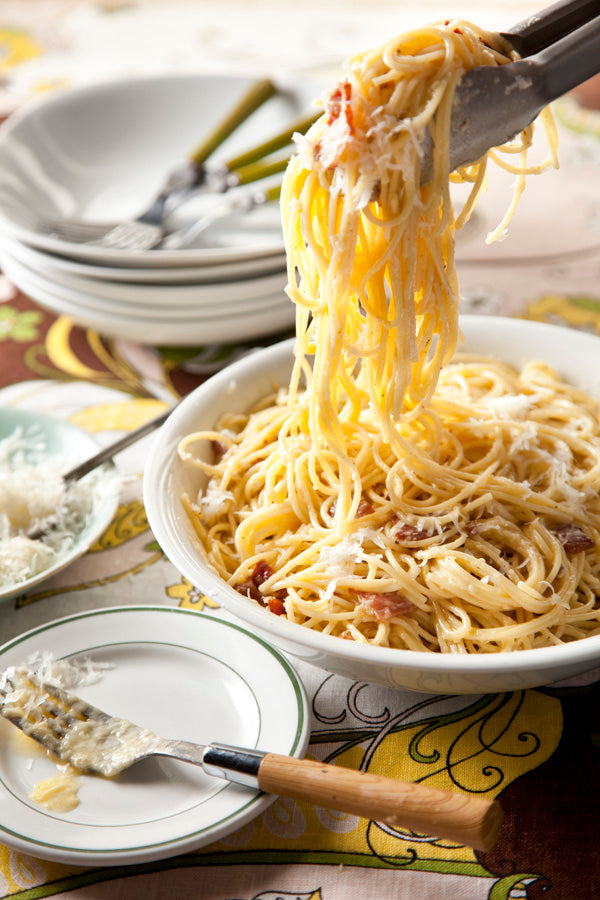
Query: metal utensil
128, 236
95, 742
145, 231
242, 203
252, 165
84, 232
560, 48
88, 465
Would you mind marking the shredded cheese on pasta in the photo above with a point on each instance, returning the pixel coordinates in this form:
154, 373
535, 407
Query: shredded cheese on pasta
397, 494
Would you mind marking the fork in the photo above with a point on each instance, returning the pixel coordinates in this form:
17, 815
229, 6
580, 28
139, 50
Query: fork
148, 229
179, 238
97, 743
241, 203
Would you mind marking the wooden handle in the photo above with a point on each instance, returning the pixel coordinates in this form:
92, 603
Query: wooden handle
473, 821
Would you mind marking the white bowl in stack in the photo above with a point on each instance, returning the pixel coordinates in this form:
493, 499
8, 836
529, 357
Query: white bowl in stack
100, 154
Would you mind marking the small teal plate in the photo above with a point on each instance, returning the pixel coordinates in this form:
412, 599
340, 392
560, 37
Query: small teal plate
72, 445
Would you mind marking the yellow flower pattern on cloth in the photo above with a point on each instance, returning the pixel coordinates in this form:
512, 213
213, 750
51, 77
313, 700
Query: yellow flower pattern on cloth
574, 312
125, 416
16, 47
480, 748
190, 597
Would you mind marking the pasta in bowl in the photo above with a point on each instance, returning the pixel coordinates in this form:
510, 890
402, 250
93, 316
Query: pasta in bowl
367, 498
443, 564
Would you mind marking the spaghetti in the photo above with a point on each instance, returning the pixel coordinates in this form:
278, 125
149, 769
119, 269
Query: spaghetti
395, 494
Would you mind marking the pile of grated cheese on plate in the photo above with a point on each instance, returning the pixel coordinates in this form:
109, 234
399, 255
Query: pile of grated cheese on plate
32, 495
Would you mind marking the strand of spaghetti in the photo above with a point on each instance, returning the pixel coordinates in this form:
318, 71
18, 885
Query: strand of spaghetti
389, 496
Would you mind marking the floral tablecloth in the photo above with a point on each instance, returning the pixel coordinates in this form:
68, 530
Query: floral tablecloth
537, 751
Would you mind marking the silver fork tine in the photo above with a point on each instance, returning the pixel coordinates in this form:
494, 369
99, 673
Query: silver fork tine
41, 722
41, 733
47, 713
132, 236
75, 230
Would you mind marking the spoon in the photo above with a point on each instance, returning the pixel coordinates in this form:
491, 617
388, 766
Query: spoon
107, 453
88, 465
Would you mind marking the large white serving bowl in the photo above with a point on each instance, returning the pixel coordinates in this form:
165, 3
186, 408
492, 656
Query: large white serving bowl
574, 354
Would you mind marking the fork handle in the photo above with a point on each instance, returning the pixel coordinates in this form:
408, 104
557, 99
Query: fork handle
469, 820
259, 93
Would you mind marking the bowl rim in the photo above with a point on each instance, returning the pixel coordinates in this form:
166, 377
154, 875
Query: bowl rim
285, 632
73, 96
84, 92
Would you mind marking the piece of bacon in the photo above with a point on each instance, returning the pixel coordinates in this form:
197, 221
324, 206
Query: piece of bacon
341, 127
455, 30
276, 606
219, 450
364, 508
407, 533
385, 606
261, 572
574, 539
338, 103
248, 589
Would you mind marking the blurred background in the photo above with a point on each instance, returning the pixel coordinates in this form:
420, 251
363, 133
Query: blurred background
52, 43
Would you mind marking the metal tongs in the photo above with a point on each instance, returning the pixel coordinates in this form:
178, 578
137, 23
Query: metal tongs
559, 49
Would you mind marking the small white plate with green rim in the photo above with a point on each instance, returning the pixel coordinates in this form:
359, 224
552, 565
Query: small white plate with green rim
45, 438
183, 674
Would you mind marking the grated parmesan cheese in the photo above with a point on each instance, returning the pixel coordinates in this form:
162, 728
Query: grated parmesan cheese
525, 438
59, 793
511, 406
63, 673
340, 558
33, 495
66, 673
22, 558
213, 501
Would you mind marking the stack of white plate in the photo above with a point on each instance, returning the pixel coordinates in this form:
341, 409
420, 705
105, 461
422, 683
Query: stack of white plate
101, 154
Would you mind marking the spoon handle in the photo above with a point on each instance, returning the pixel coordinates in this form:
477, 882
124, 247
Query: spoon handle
108, 452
